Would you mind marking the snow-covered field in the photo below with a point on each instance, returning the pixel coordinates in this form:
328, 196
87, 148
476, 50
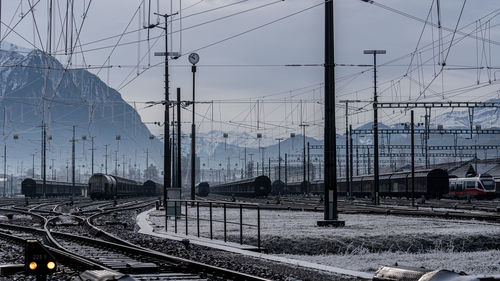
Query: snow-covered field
365, 243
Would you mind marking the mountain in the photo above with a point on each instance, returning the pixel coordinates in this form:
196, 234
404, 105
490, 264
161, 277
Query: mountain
34, 85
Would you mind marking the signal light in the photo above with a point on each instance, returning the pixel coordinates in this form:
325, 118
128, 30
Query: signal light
38, 260
51, 265
33, 265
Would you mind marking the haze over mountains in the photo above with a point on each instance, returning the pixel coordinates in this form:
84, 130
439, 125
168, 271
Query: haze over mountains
33, 84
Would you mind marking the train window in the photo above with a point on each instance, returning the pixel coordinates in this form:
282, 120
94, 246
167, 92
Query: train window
470, 184
488, 184
460, 186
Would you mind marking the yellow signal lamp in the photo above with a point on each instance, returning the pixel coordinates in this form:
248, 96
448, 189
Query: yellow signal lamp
32, 265
51, 265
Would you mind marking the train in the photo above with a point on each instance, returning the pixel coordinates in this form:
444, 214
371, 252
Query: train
102, 186
202, 189
277, 187
482, 185
433, 183
253, 187
33, 188
429, 183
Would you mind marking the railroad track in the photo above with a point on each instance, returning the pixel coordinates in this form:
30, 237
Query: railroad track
366, 207
109, 252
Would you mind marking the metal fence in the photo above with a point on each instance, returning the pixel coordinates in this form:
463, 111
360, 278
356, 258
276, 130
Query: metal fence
179, 204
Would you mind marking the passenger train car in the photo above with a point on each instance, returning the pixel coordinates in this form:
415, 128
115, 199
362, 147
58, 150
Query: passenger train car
482, 185
430, 183
253, 187
34, 188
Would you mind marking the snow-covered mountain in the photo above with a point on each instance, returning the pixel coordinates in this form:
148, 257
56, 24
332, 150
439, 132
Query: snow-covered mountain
486, 117
34, 84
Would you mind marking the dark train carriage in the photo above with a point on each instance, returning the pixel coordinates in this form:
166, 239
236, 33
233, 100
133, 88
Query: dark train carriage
203, 189
294, 188
34, 188
102, 186
437, 183
278, 187
366, 185
152, 188
126, 187
317, 187
253, 187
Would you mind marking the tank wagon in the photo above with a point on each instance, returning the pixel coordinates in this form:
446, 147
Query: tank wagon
102, 186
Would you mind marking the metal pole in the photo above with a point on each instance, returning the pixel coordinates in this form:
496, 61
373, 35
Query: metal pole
33, 164
44, 161
308, 166
286, 171
347, 178
330, 153
351, 171
92, 138
73, 165
179, 158
193, 140
375, 131
106, 160
412, 161
279, 158
4, 168
304, 151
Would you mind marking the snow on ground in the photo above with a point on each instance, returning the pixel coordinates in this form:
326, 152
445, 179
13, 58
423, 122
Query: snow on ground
297, 224
365, 243
472, 263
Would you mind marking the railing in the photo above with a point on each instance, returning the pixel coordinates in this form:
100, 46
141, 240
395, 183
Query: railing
211, 205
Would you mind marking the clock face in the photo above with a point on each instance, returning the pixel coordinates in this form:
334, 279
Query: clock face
194, 58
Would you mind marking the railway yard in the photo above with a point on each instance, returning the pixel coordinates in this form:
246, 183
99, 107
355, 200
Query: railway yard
439, 234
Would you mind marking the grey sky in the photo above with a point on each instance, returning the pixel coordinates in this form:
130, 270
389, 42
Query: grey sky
294, 40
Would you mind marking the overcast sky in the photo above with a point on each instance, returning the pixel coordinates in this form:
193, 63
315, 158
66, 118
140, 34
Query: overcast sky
238, 71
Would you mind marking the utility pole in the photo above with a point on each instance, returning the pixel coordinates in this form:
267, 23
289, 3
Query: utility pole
73, 165
52, 165
308, 167
147, 165
193, 58
44, 151
269, 167
279, 157
116, 163
347, 178
246, 172
330, 153
106, 160
303, 150
166, 147
4, 155
351, 172
92, 168
286, 171
179, 157
375, 123
33, 165
123, 165
412, 161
